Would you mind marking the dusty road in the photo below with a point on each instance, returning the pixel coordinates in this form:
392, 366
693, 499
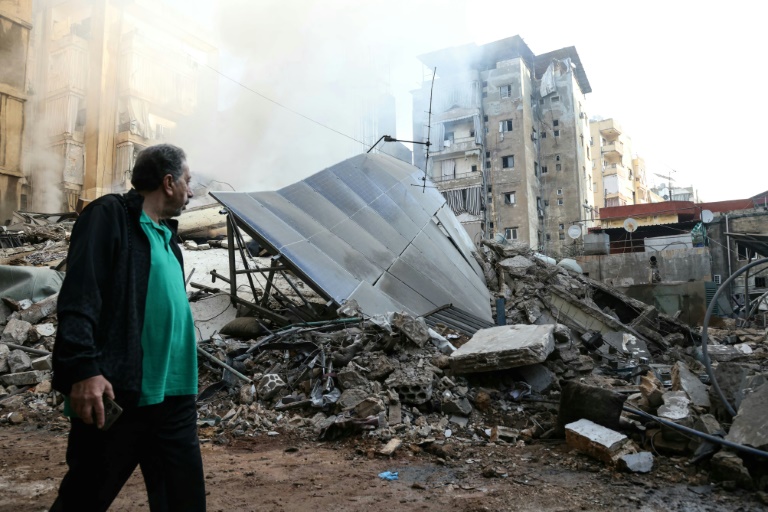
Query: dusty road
285, 473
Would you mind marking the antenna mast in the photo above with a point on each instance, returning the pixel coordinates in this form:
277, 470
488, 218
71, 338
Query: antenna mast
429, 130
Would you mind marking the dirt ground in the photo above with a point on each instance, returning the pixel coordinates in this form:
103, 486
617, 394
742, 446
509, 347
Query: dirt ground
284, 473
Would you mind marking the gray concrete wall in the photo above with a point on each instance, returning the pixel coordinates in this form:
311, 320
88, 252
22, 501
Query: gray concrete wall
688, 298
635, 268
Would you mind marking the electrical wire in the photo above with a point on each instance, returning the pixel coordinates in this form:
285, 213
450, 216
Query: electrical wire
702, 435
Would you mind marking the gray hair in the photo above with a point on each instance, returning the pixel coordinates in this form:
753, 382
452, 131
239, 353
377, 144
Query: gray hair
153, 163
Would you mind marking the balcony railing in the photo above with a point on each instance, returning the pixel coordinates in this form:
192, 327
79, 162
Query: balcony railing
614, 149
465, 175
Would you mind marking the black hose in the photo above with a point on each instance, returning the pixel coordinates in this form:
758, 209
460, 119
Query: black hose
703, 435
710, 309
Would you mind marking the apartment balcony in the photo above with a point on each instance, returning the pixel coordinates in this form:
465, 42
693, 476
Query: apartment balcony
458, 146
610, 131
466, 179
616, 168
613, 149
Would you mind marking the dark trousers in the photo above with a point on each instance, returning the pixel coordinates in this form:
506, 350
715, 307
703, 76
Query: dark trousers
161, 439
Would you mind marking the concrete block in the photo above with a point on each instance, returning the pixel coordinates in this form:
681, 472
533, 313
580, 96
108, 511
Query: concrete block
457, 405
380, 368
415, 329
44, 363
395, 413
684, 380
412, 388
732, 379
39, 310
19, 361
16, 331
594, 440
24, 378
44, 387
750, 426
508, 346
637, 462
269, 386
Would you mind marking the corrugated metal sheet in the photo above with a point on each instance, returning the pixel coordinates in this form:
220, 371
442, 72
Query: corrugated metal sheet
457, 319
366, 230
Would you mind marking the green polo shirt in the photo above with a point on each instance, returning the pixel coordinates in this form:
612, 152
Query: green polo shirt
168, 336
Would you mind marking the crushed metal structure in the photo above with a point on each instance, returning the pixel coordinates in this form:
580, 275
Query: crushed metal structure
368, 230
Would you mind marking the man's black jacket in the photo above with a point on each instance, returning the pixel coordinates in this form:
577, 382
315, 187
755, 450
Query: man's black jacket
101, 302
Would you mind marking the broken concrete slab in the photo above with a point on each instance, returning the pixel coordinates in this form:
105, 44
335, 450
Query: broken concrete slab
517, 265
580, 401
415, 329
371, 406
684, 380
39, 310
637, 462
16, 331
732, 379
390, 447
212, 314
594, 440
750, 426
503, 347
24, 378
395, 416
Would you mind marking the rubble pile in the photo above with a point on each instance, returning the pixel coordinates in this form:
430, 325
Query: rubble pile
573, 361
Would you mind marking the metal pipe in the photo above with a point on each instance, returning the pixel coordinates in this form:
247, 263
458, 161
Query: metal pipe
27, 349
224, 365
728, 252
703, 435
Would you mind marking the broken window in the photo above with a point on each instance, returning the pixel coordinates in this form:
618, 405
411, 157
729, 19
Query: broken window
760, 282
508, 162
485, 119
562, 236
555, 123
557, 157
474, 168
543, 134
549, 237
558, 167
561, 227
509, 198
559, 202
510, 233
543, 169
505, 91
557, 133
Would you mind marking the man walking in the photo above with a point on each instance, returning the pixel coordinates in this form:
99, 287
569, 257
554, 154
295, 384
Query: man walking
126, 332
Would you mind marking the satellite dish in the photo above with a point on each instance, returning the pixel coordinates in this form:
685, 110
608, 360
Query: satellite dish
666, 197
706, 216
630, 225
574, 231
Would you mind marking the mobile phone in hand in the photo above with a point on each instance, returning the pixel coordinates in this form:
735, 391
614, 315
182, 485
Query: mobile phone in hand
112, 411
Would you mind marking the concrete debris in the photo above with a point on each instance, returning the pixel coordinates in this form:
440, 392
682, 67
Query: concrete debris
16, 331
684, 380
326, 372
499, 348
595, 440
750, 426
637, 462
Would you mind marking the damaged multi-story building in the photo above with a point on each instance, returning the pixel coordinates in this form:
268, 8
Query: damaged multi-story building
619, 175
15, 27
509, 140
110, 79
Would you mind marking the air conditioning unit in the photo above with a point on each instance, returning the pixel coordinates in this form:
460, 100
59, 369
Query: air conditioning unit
717, 279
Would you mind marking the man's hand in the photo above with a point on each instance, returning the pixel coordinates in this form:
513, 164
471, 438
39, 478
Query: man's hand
86, 399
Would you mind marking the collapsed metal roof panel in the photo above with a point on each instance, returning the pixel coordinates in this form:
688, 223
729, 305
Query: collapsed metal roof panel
366, 229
